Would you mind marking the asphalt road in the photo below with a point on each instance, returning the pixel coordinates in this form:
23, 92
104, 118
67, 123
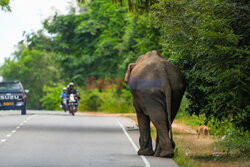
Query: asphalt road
57, 139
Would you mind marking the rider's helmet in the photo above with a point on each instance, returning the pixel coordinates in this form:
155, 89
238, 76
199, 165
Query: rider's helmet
64, 88
71, 85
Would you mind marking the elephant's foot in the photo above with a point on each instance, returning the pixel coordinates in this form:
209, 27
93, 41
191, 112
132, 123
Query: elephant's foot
147, 151
167, 152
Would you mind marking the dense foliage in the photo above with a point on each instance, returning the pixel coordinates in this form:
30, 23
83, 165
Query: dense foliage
100, 42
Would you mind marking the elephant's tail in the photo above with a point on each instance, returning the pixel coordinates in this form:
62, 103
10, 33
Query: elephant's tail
168, 94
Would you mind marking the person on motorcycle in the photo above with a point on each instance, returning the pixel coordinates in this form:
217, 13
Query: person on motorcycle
71, 90
63, 95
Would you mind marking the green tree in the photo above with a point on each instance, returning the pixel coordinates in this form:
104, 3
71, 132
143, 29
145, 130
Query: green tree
4, 4
34, 68
101, 41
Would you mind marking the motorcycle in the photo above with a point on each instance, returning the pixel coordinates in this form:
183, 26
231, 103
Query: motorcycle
64, 104
72, 104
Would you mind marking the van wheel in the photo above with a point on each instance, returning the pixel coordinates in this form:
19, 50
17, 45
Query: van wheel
23, 111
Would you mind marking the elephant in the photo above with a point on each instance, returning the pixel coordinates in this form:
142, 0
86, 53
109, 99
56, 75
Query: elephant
157, 87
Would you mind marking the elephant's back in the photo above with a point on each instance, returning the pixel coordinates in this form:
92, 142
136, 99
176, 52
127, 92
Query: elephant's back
146, 81
149, 67
153, 67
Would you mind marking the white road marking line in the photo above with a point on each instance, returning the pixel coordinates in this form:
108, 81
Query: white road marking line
17, 127
21, 124
147, 164
8, 135
3, 140
13, 131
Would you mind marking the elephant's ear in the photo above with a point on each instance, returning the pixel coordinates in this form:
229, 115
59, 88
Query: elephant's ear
127, 75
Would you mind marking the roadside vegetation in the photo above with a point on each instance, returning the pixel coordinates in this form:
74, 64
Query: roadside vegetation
226, 146
207, 40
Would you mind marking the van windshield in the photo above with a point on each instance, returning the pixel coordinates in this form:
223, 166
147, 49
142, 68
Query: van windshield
10, 87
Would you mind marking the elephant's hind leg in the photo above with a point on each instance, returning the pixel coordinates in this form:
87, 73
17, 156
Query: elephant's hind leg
145, 137
164, 146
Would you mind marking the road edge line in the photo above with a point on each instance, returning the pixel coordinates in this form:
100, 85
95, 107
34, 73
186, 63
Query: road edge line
147, 164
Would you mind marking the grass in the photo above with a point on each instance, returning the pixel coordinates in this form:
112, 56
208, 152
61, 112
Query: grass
201, 150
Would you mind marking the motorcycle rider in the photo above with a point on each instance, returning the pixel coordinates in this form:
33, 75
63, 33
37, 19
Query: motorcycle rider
71, 90
63, 95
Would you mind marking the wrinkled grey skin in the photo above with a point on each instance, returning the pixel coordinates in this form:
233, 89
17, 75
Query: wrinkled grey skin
158, 104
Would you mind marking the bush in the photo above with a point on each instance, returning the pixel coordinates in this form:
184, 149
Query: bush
90, 100
51, 100
235, 141
116, 101
183, 114
107, 100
